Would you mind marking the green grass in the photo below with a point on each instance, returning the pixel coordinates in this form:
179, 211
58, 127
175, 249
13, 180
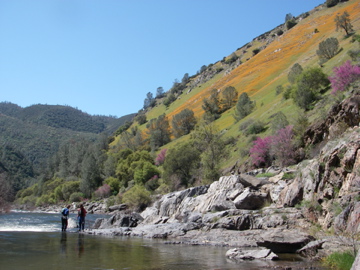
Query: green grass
339, 260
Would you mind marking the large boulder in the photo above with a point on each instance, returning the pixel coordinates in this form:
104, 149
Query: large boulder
284, 240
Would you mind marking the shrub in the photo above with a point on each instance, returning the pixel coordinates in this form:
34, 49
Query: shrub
160, 159
290, 24
294, 72
328, 48
244, 107
308, 87
255, 128
260, 152
76, 197
103, 192
331, 3
282, 147
114, 184
344, 76
69, 188
137, 197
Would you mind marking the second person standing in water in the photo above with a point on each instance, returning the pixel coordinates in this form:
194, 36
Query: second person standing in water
81, 217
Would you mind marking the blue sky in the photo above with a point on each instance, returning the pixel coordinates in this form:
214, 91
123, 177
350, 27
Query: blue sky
103, 57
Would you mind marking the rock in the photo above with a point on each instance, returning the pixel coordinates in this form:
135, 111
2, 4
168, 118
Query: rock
119, 219
118, 207
283, 240
251, 181
251, 254
356, 264
250, 200
311, 248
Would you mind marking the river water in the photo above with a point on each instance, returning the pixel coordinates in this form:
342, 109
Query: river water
34, 241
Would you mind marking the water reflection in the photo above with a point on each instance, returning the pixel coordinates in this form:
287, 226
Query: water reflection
81, 244
63, 240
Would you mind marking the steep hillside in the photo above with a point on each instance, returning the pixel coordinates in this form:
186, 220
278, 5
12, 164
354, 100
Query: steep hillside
259, 74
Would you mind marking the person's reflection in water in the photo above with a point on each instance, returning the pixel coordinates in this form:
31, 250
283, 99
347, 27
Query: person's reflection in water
63, 242
80, 244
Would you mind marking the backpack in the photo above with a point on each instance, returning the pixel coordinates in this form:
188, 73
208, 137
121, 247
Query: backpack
64, 211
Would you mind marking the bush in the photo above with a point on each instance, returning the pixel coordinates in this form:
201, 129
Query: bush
137, 197
344, 76
114, 184
308, 87
103, 192
76, 197
328, 48
294, 72
69, 188
260, 152
290, 24
255, 128
331, 3
160, 159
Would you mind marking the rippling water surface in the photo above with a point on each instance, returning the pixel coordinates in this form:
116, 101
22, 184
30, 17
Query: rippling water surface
35, 241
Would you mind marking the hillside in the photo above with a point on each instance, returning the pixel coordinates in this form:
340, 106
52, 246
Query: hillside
36, 132
260, 74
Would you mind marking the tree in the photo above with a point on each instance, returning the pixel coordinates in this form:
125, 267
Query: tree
229, 98
149, 101
211, 106
183, 123
244, 106
343, 22
294, 72
328, 48
159, 92
288, 17
180, 165
260, 152
185, 79
170, 99
159, 131
308, 87
344, 76
209, 142
282, 147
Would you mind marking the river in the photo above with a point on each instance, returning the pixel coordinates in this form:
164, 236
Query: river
34, 241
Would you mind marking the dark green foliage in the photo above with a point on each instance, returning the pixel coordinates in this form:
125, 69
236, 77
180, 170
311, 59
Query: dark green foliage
290, 23
331, 3
180, 165
141, 118
159, 131
294, 72
209, 142
328, 49
19, 171
288, 17
38, 136
231, 59
159, 92
149, 101
229, 98
308, 87
144, 171
256, 51
211, 106
170, 99
244, 107
183, 123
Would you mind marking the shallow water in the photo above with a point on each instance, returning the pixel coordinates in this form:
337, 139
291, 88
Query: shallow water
35, 241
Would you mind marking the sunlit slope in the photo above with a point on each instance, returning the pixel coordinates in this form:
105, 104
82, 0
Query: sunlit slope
298, 44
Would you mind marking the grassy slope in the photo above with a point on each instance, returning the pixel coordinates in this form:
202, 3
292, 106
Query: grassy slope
259, 75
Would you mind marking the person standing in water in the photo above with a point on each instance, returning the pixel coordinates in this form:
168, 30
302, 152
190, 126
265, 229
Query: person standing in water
81, 217
64, 218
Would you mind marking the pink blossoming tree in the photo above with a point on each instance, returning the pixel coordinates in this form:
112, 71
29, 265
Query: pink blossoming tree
344, 76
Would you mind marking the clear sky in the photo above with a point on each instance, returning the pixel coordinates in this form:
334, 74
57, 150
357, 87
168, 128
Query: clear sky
104, 56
